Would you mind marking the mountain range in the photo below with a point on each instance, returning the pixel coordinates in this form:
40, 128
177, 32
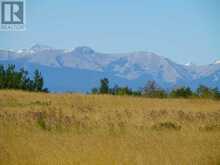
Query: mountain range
80, 69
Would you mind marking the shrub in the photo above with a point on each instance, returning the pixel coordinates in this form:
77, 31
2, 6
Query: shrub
41, 120
184, 92
166, 126
210, 127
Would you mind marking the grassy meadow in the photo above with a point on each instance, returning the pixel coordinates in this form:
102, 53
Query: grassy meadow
76, 129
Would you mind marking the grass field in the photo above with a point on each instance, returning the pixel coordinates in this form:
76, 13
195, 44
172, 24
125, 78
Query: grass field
69, 129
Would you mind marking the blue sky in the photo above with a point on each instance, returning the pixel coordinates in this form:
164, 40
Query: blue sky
182, 30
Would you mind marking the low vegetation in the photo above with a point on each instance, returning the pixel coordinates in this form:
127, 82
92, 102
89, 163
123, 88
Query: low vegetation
67, 129
152, 90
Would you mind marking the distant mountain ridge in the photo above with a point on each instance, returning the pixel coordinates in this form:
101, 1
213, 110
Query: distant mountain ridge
81, 68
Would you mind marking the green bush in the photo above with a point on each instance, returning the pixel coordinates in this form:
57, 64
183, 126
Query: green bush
183, 92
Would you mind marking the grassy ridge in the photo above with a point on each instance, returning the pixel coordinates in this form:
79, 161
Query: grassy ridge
37, 128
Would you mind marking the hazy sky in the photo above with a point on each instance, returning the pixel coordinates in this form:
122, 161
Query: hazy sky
182, 30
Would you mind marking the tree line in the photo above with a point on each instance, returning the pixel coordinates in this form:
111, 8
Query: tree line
153, 90
10, 78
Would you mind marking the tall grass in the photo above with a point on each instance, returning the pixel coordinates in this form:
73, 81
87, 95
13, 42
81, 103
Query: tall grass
50, 129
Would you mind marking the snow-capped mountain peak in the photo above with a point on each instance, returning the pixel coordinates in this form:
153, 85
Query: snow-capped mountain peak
39, 47
217, 62
84, 50
189, 64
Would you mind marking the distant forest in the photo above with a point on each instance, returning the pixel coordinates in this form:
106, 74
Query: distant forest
10, 78
152, 90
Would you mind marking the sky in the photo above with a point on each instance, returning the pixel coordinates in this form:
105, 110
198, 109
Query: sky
183, 30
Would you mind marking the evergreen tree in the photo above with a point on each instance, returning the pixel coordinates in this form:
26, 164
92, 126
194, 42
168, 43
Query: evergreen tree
2, 77
38, 81
10, 78
104, 88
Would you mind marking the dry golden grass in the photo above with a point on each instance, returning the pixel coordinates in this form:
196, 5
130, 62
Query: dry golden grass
69, 129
